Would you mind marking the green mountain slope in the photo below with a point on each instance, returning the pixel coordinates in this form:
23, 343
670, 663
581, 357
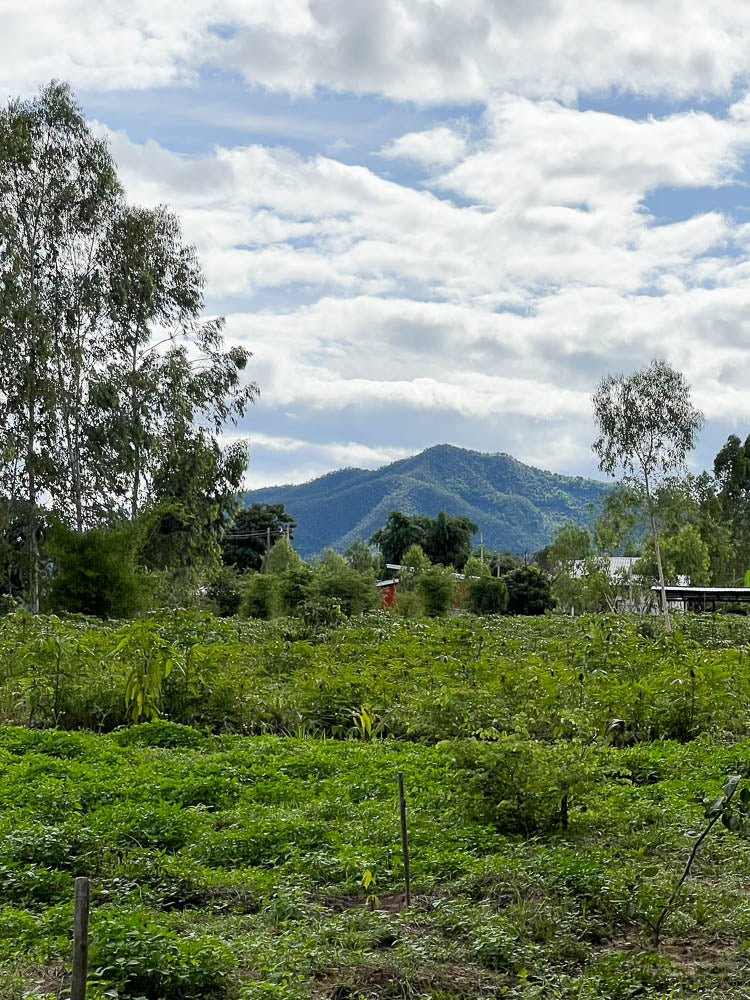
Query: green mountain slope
516, 506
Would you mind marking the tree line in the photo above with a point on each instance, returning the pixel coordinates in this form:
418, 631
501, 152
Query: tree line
433, 560
678, 524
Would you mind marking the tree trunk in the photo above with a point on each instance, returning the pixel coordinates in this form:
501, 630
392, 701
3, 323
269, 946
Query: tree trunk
135, 432
655, 533
31, 516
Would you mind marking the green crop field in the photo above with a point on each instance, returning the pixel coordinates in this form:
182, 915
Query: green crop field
246, 843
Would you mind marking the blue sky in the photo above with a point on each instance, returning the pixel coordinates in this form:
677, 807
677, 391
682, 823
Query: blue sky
435, 221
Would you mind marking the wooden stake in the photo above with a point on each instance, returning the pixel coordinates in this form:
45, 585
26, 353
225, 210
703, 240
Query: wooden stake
404, 838
80, 940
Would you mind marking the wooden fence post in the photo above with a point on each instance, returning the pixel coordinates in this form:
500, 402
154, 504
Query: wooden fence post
404, 838
80, 940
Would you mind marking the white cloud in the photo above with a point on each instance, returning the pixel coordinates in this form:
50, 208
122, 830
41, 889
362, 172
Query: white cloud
436, 147
497, 311
558, 202
312, 458
428, 51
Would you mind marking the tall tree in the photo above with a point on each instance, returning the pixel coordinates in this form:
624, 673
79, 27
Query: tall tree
253, 531
448, 541
732, 477
399, 533
57, 184
445, 540
168, 370
107, 370
647, 424
361, 557
194, 494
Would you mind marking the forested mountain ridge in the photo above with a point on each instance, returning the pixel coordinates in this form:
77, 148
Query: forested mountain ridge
516, 506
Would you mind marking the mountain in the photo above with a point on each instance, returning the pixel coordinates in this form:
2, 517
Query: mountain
516, 506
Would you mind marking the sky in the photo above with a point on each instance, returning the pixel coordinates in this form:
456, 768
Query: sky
434, 220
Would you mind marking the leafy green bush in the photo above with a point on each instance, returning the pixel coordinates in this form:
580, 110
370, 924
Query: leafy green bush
96, 573
322, 613
260, 599
408, 603
294, 587
224, 593
32, 885
529, 591
136, 957
160, 733
487, 596
521, 786
437, 588
355, 591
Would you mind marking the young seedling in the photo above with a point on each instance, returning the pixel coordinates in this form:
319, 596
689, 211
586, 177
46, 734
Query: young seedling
368, 881
735, 818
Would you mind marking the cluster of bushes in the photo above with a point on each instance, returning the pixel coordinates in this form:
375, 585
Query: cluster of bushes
102, 573
341, 586
424, 589
330, 588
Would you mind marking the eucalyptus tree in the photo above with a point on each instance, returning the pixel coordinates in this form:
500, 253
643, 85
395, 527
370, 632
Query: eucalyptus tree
732, 481
107, 369
647, 424
57, 186
169, 373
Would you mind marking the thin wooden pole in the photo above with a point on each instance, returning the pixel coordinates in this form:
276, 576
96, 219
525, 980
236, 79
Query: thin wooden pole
404, 838
80, 940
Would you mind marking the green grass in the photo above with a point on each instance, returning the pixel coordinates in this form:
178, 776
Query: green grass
229, 865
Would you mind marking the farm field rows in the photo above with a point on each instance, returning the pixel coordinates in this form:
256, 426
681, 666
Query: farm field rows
250, 847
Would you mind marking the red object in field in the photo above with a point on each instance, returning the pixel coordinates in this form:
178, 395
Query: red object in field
387, 590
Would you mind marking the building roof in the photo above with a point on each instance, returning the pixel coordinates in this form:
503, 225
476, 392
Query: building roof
712, 593
617, 565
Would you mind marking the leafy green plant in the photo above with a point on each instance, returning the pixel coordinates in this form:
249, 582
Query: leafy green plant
96, 573
152, 659
260, 598
437, 589
366, 725
529, 591
487, 596
134, 956
520, 786
321, 613
224, 592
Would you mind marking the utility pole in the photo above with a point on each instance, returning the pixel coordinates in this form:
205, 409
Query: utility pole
481, 548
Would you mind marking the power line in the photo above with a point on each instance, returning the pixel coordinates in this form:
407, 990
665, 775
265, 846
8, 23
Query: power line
256, 534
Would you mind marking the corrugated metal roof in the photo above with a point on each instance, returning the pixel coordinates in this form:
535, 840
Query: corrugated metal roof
617, 565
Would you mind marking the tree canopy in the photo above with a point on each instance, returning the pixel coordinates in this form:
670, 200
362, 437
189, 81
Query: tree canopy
445, 540
646, 425
253, 531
